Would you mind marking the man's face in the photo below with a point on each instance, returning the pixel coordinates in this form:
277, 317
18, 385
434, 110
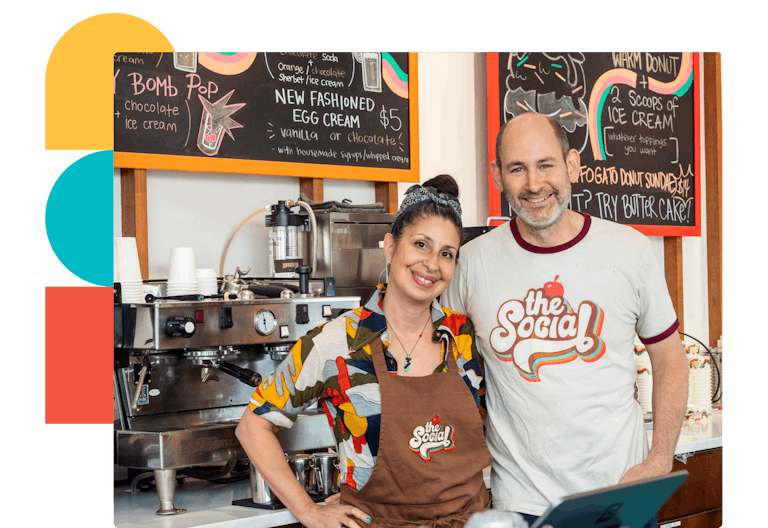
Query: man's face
534, 177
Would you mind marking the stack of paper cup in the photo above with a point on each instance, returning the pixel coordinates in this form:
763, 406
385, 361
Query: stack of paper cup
644, 378
699, 382
182, 279
127, 271
207, 283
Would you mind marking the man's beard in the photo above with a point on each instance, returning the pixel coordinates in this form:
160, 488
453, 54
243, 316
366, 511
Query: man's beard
561, 199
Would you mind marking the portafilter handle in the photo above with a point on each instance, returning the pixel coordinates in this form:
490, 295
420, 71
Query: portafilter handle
146, 366
247, 376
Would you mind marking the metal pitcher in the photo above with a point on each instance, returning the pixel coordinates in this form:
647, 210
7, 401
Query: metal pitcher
325, 468
302, 469
260, 491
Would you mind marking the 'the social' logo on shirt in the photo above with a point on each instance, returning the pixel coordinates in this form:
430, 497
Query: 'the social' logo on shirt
543, 329
430, 438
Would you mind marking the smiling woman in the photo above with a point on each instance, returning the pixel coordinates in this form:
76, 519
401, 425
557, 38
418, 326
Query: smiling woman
388, 383
421, 251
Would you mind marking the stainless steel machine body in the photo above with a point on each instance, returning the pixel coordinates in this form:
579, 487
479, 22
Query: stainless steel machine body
350, 250
349, 247
182, 374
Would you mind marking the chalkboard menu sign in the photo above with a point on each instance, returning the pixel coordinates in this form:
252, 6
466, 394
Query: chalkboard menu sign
315, 114
633, 117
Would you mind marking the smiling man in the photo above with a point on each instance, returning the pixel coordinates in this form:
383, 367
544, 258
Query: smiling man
556, 298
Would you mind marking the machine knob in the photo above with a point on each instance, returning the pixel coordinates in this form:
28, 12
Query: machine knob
180, 327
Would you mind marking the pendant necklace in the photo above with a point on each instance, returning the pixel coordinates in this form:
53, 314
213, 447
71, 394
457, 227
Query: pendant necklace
408, 355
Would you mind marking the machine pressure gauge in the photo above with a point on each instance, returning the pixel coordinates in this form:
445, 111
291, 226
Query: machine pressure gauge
265, 322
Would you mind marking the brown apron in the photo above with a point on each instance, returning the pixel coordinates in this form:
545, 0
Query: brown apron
429, 468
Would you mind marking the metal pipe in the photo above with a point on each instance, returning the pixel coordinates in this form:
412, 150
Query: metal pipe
313, 224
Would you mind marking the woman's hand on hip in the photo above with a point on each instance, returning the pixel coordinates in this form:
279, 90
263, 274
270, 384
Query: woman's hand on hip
333, 499
333, 516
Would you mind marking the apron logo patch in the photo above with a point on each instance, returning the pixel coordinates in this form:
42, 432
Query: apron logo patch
430, 438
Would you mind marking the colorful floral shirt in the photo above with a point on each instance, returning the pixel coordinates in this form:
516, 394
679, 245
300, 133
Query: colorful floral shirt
332, 365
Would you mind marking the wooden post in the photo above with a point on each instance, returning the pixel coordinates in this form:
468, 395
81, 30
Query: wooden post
673, 270
133, 199
312, 187
713, 141
386, 193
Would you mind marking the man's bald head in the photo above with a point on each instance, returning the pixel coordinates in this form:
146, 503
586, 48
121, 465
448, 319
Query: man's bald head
532, 117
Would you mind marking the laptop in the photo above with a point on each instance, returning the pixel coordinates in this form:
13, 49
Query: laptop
631, 504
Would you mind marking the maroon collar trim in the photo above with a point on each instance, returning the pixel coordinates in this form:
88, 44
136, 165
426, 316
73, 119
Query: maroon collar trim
554, 249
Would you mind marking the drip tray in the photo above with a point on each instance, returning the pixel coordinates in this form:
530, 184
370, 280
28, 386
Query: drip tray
211, 444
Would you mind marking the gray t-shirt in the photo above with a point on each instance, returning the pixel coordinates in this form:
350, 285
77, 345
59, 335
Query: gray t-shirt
555, 328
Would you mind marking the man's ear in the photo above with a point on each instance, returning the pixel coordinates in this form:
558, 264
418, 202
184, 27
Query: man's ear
573, 162
496, 174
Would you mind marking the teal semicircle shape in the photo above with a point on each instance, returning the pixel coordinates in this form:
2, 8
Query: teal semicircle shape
78, 218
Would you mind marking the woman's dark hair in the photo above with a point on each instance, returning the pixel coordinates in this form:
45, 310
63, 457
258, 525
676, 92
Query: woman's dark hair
443, 183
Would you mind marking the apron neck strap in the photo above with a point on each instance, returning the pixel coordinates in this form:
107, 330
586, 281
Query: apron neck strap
377, 354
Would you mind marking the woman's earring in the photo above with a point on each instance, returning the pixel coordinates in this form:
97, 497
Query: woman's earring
386, 277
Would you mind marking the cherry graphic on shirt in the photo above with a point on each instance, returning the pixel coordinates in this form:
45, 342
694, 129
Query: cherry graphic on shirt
554, 288
436, 420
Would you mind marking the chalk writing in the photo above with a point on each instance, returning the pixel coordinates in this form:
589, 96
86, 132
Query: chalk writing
304, 107
636, 112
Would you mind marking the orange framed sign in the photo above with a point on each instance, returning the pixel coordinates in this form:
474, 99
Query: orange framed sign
313, 114
633, 117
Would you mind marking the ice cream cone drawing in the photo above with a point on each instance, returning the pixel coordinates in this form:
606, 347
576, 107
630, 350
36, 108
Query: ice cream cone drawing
214, 122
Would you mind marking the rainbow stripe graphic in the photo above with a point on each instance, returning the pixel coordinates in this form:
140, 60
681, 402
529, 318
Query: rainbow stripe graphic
565, 357
226, 62
696, 417
602, 87
569, 355
597, 99
702, 363
597, 329
568, 308
643, 371
394, 77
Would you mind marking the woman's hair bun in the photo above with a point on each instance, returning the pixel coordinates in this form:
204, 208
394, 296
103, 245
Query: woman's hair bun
444, 183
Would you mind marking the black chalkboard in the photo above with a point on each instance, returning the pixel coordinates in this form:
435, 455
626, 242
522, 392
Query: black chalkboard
314, 109
633, 117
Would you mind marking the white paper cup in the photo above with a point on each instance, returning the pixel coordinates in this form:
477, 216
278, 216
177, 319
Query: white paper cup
182, 265
132, 291
181, 286
126, 260
188, 288
207, 290
207, 282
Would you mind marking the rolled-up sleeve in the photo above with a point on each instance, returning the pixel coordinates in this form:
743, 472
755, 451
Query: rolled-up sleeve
292, 387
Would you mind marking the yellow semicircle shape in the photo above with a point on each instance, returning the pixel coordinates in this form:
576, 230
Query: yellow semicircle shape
79, 97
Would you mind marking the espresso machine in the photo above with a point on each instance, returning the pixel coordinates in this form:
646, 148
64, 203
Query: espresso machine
185, 367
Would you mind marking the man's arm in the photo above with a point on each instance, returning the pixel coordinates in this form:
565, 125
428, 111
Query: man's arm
669, 366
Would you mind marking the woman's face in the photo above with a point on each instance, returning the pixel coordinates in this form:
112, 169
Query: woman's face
423, 261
